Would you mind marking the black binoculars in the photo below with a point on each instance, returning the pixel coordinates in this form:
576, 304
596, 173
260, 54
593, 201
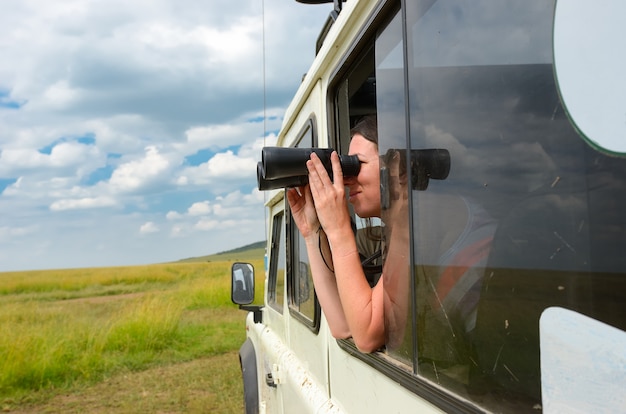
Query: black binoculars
424, 164
286, 167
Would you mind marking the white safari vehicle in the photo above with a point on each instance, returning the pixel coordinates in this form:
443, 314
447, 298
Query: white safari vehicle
510, 116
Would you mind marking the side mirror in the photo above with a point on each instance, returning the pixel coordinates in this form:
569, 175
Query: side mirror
242, 279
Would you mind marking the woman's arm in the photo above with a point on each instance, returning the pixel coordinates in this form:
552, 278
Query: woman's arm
362, 305
305, 217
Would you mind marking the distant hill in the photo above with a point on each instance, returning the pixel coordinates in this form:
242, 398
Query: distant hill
245, 253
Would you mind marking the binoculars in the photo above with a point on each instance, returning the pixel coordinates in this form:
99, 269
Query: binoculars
423, 164
286, 167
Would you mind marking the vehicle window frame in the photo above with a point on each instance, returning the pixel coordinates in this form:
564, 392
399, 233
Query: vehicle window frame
278, 226
296, 248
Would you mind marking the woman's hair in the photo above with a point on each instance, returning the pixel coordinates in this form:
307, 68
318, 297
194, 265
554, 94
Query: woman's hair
367, 127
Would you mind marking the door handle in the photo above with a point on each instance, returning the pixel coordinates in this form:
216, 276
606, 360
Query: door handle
269, 380
272, 379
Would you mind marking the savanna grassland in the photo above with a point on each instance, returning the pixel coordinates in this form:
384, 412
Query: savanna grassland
158, 338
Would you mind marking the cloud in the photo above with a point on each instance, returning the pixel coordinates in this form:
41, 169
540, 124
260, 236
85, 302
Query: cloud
82, 203
136, 175
173, 215
59, 95
200, 208
214, 136
148, 228
63, 157
104, 106
221, 171
247, 128
9, 233
234, 210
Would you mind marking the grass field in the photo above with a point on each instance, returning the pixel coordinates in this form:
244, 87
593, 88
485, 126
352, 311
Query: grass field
155, 338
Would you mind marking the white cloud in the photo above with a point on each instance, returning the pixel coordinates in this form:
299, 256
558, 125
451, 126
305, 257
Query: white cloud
235, 210
63, 155
173, 215
199, 209
82, 203
24, 158
148, 228
220, 172
245, 129
226, 164
133, 176
206, 224
59, 95
111, 97
72, 153
213, 136
9, 233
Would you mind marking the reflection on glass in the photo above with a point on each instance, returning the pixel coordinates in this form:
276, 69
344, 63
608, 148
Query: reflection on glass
242, 275
280, 271
529, 217
394, 192
276, 291
303, 293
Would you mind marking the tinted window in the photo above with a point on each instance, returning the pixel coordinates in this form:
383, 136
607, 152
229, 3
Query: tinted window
494, 208
529, 216
302, 303
276, 288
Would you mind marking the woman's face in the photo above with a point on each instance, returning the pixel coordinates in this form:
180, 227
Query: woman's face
364, 189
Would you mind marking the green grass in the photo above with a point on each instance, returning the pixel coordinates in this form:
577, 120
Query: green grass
255, 249
68, 331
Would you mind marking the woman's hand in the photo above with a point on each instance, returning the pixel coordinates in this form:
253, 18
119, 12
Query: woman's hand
329, 197
398, 211
303, 210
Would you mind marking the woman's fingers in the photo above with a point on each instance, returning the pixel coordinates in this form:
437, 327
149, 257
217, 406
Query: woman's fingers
326, 195
318, 175
337, 172
302, 210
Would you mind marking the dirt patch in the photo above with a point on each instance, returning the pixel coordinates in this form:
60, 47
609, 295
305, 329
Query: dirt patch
104, 298
211, 384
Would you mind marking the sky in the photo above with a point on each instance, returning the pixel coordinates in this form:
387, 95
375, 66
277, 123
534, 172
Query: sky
130, 130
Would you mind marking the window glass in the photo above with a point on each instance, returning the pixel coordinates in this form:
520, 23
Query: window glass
392, 143
302, 294
494, 208
529, 215
276, 289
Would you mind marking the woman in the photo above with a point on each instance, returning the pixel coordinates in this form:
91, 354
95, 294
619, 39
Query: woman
320, 210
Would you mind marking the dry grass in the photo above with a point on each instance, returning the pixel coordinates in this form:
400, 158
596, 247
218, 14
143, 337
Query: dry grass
160, 338
188, 387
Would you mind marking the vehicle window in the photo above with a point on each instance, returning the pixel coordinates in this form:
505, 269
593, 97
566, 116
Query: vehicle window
302, 301
276, 285
529, 216
493, 206
302, 294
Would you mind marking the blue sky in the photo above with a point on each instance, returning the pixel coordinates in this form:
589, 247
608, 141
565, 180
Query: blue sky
130, 131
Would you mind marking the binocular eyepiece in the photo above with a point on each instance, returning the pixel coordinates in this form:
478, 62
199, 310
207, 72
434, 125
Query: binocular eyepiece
286, 167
